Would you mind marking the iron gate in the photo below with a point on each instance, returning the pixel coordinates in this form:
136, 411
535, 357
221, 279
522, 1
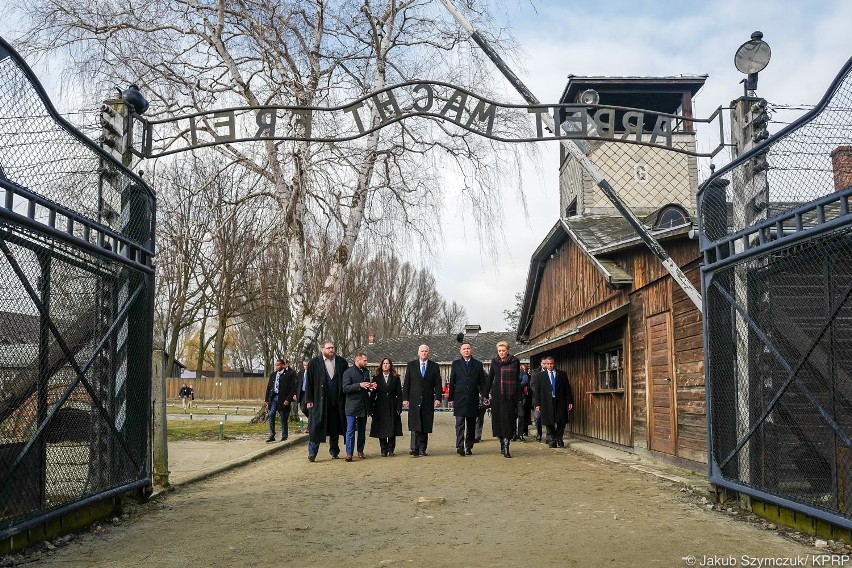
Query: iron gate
776, 234
76, 236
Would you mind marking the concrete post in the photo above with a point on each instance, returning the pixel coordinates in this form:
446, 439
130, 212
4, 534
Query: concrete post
160, 442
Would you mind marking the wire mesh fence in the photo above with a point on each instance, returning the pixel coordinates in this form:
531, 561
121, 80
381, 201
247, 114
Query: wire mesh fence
776, 232
76, 234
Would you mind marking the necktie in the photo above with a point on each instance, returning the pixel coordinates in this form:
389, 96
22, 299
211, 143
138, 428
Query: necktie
277, 375
553, 383
423, 369
467, 365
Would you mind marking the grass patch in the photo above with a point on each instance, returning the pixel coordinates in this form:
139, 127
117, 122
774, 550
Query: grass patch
200, 430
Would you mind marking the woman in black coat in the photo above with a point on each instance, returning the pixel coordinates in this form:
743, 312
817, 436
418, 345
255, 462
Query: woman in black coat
386, 404
504, 390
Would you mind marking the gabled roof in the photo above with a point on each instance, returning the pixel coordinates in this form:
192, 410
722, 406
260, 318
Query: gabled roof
18, 328
597, 236
443, 348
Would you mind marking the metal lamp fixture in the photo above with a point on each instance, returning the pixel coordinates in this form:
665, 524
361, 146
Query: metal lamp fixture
751, 58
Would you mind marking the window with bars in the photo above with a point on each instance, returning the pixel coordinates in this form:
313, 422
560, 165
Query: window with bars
611, 368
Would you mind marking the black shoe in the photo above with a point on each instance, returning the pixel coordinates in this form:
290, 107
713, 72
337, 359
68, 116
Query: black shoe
414, 453
502, 446
468, 452
270, 439
312, 457
553, 445
560, 443
460, 451
335, 456
514, 438
284, 439
423, 453
538, 438
507, 454
384, 454
390, 453
477, 440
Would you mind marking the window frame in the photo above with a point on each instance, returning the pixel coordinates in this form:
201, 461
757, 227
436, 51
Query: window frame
603, 360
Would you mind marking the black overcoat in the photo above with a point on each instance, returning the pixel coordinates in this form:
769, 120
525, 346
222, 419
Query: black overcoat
421, 394
286, 387
466, 386
386, 401
318, 421
356, 397
504, 409
553, 410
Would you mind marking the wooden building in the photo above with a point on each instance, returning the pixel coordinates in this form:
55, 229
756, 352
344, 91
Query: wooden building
606, 309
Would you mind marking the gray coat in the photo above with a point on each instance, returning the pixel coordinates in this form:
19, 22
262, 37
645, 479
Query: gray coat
356, 397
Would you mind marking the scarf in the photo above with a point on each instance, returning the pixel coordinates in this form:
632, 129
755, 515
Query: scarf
508, 371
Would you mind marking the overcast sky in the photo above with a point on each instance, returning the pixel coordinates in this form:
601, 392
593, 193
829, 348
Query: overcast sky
810, 41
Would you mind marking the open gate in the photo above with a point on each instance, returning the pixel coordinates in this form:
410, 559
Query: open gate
776, 233
77, 238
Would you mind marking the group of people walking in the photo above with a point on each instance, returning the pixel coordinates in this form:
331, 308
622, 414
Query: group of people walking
338, 399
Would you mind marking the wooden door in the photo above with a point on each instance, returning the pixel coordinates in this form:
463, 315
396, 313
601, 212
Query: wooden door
662, 419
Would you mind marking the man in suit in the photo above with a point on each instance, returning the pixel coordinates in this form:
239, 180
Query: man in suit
324, 395
467, 384
553, 399
421, 395
279, 395
357, 387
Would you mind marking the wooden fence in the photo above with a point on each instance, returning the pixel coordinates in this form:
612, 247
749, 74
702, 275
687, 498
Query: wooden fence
238, 388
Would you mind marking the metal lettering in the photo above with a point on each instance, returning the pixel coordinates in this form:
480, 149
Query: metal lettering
575, 123
430, 96
662, 127
228, 123
389, 104
605, 127
538, 111
456, 105
354, 110
481, 114
633, 127
265, 128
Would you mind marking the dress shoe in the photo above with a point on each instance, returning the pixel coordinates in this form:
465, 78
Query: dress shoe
312, 457
502, 446
423, 453
553, 445
384, 454
335, 456
284, 439
460, 451
349, 457
361, 455
538, 438
477, 440
414, 453
468, 452
270, 439
560, 443
390, 453
514, 438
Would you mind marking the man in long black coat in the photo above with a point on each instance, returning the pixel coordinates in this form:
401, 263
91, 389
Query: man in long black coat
279, 395
467, 384
553, 399
325, 401
421, 394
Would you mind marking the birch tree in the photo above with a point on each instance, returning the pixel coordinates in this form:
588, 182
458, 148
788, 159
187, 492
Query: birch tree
199, 55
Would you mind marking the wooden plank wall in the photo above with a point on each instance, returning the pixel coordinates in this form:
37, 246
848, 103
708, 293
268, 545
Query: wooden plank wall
601, 416
656, 295
571, 285
241, 388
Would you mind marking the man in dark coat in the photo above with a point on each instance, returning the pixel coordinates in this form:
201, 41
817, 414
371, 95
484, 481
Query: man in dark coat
279, 395
421, 394
467, 384
553, 399
356, 388
302, 382
325, 401
387, 407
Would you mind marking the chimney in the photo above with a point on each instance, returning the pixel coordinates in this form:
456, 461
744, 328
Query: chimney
471, 330
371, 339
841, 165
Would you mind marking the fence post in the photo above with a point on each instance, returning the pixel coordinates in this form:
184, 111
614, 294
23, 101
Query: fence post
161, 436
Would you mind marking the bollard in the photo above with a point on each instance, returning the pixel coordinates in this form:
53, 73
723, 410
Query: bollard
236, 410
218, 407
226, 416
190, 415
221, 430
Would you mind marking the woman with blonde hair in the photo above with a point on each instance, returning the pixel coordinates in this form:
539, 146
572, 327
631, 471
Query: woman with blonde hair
503, 386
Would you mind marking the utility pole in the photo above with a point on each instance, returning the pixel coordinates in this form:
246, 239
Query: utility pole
574, 149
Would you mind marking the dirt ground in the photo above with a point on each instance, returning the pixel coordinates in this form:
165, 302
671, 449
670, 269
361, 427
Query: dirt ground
543, 507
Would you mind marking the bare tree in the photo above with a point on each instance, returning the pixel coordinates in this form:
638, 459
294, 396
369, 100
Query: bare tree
195, 56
